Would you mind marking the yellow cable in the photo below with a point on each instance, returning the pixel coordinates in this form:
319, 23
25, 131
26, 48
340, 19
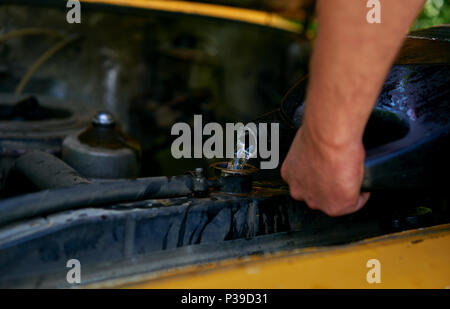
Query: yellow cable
29, 31
211, 10
49, 53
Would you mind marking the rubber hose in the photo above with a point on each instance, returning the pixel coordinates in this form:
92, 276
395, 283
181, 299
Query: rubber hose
46, 171
91, 195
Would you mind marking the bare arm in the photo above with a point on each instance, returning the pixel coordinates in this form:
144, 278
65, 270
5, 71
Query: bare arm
350, 62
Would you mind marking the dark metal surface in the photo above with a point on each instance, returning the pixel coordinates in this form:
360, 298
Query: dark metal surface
37, 123
151, 235
407, 137
39, 116
93, 194
152, 69
426, 46
104, 119
30, 109
234, 181
103, 151
115, 228
102, 236
408, 134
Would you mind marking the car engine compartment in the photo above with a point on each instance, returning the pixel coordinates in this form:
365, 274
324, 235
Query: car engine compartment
85, 164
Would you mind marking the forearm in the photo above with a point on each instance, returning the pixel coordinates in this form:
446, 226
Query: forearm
349, 65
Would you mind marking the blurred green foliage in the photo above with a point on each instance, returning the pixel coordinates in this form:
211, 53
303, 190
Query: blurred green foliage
435, 12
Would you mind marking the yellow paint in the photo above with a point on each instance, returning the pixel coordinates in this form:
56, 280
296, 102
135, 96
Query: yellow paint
210, 10
413, 259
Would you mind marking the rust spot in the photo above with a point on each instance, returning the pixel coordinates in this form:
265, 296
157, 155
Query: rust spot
416, 241
108, 138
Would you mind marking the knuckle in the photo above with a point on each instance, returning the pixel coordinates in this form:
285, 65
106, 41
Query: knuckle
332, 211
296, 194
313, 204
340, 209
284, 172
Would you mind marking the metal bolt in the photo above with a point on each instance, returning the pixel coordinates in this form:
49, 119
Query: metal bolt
103, 118
199, 172
199, 184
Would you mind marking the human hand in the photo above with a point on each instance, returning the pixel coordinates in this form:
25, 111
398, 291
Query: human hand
327, 177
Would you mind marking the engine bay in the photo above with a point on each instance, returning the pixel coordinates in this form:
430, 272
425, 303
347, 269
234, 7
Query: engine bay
86, 119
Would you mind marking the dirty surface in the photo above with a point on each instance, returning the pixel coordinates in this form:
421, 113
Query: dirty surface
120, 239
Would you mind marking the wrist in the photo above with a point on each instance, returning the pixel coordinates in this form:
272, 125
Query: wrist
332, 136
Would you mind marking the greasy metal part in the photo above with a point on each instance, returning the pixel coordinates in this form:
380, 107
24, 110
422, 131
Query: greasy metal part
104, 119
94, 194
46, 171
406, 219
30, 109
38, 116
199, 182
426, 46
408, 134
95, 74
135, 238
130, 231
34, 123
234, 181
102, 150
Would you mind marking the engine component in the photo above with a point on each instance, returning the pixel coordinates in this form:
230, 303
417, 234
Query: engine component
407, 136
30, 123
102, 150
233, 181
93, 194
46, 171
69, 191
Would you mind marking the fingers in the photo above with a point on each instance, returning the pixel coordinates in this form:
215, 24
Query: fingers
362, 200
295, 191
325, 181
335, 211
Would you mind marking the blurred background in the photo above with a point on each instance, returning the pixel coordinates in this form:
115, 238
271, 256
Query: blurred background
155, 63
435, 12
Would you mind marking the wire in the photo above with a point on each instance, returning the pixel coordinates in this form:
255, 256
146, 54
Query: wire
29, 31
49, 53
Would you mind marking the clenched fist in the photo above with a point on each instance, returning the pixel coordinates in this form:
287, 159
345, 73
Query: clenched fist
326, 177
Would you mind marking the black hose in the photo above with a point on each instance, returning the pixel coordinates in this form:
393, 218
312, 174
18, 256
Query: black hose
46, 171
93, 194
